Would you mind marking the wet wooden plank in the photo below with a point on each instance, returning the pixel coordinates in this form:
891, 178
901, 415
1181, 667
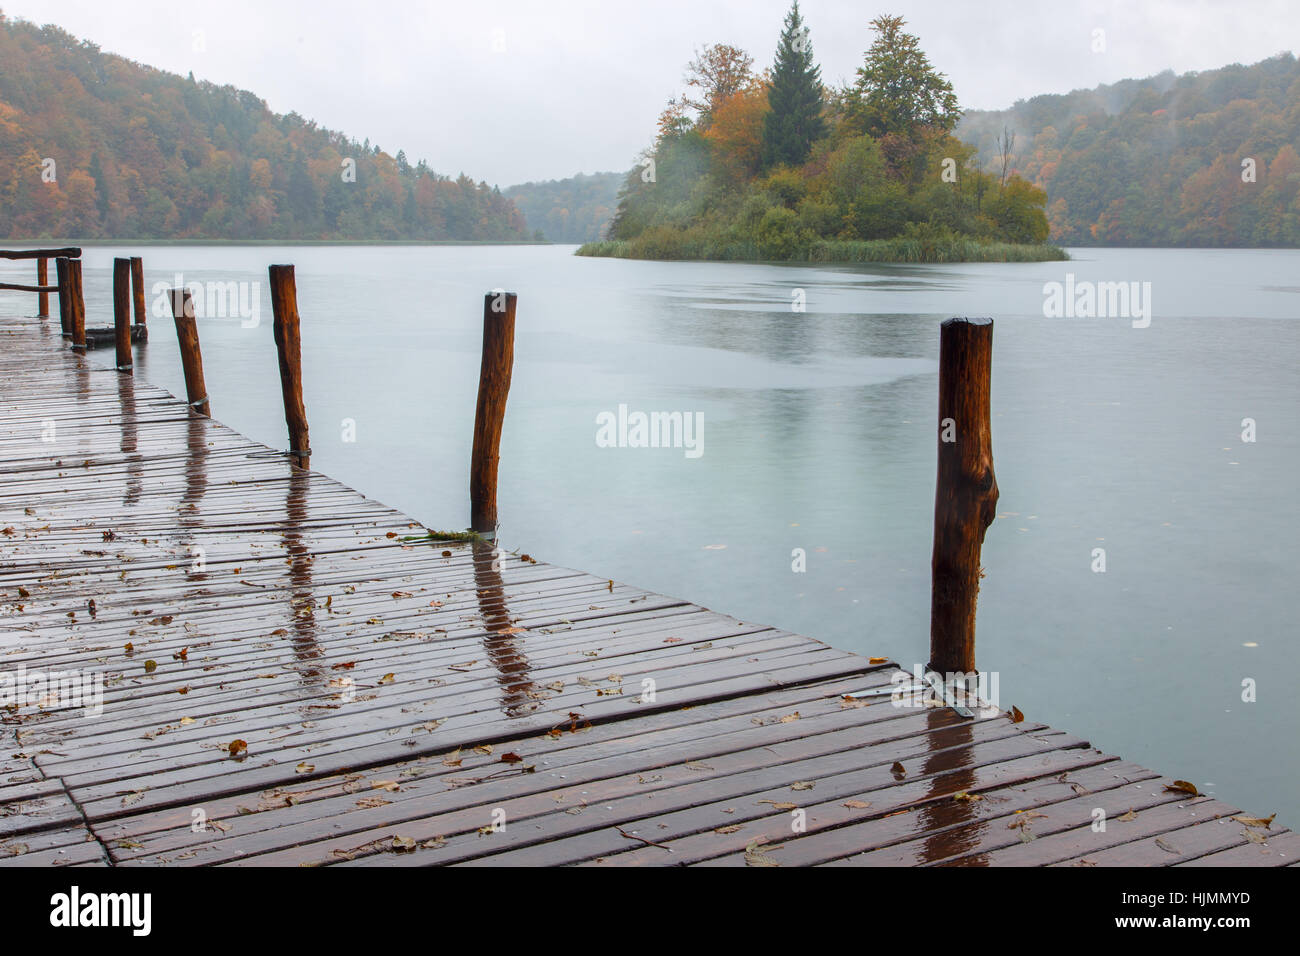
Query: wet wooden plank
377, 684
1278, 849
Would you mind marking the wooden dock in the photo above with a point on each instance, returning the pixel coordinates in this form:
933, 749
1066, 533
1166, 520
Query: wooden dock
311, 689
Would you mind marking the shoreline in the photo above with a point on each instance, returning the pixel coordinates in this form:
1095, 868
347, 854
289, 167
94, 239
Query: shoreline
897, 250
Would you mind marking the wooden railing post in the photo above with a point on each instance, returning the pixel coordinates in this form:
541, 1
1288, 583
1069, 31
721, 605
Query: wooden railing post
187, 335
121, 313
76, 306
493, 388
288, 343
966, 493
43, 299
137, 291
65, 295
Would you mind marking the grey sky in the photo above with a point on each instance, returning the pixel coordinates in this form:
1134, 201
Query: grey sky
578, 86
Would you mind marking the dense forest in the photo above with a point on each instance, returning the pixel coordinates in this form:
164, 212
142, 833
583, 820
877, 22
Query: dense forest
1203, 159
773, 165
576, 209
96, 146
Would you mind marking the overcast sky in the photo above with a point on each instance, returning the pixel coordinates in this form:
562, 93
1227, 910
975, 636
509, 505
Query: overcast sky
510, 92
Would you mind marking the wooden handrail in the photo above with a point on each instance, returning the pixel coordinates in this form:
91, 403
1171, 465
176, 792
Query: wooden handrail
71, 252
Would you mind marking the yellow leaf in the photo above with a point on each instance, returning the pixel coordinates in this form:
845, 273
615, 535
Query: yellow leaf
1264, 822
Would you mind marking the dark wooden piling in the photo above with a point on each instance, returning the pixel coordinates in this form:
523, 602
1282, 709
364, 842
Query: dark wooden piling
187, 335
288, 343
966, 493
65, 295
76, 305
493, 389
121, 313
42, 279
137, 291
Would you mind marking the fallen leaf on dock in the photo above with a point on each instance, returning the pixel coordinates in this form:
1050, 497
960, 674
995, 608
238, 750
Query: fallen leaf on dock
1127, 817
856, 804
803, 785
1015, 715
1182, 786
1264, 822
237, 747
755, 855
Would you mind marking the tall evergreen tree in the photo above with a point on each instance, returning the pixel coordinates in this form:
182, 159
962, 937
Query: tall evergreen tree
795, 97
897, 90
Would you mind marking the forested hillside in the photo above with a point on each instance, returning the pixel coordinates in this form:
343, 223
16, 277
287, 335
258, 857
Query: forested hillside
96, 146
569, 210
1203, 159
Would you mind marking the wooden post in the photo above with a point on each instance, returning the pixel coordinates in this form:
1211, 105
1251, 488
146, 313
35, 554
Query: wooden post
288, 343
65, 295
137, 290
122, 312
966, 493
187, 334
43, 298
76, 306
493, 388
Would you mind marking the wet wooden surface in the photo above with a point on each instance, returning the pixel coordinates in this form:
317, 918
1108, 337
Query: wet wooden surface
392, 703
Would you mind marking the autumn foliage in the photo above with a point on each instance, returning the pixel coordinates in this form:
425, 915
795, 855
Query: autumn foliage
142, 154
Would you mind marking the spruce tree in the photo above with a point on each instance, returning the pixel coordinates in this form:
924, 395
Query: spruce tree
795, 97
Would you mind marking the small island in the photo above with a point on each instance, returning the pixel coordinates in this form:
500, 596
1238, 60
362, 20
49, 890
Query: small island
774, 166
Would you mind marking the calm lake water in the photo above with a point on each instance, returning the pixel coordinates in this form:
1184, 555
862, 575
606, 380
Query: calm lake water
819, 433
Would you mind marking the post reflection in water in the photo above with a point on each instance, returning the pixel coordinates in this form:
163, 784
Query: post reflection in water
130, 440
503, 650
196, 486
952, 763
302, 598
